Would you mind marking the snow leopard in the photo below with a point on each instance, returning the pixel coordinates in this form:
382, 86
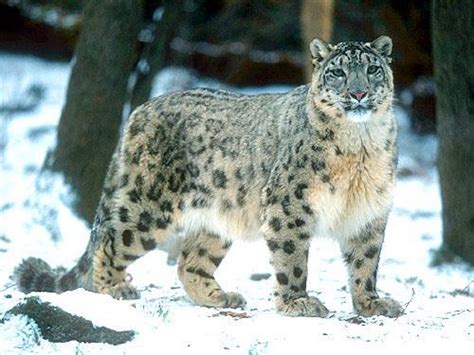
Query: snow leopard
215, 167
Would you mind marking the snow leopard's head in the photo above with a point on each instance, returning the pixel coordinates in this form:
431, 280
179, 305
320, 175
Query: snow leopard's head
352, 79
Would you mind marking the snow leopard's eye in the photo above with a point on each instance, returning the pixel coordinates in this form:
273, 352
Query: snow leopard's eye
372, 69
338, 73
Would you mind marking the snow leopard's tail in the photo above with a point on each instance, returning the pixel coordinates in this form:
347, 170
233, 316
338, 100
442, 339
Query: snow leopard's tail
35, 274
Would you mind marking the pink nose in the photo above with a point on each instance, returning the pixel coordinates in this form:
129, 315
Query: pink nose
358, 95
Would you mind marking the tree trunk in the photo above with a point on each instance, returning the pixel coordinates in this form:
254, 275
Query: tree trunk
89, 127
453, 50
154, 54
316, 21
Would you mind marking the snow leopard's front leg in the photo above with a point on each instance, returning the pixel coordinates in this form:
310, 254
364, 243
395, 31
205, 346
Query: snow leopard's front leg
361, 255
288, 237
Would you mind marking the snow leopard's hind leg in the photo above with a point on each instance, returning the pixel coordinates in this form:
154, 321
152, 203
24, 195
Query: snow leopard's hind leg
138, 210
132, 228
201, 255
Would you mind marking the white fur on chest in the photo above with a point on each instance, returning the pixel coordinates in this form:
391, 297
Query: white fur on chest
337, 219
358, 199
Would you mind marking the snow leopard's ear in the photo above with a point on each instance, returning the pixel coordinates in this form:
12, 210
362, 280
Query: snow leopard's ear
319, 51
383, 46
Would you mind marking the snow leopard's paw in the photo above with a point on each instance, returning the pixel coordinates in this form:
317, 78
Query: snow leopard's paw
302, 307
380, 307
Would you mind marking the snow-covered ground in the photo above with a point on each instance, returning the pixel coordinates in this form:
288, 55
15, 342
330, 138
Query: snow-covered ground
35, 221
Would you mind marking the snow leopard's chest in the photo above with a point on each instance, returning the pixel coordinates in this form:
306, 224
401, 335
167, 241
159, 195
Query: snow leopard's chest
358, 191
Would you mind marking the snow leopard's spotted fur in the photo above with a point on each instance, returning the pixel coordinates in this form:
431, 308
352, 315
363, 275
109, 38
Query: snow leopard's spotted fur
217, 166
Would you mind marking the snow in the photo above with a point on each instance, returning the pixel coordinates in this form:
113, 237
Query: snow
35, 220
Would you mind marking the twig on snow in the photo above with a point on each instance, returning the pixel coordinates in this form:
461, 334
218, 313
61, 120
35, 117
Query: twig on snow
408, 303
7, 286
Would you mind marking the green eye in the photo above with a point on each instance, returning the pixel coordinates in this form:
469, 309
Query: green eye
372, 69
338, 72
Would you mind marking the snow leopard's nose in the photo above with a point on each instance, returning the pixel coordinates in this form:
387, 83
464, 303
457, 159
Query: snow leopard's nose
358, 95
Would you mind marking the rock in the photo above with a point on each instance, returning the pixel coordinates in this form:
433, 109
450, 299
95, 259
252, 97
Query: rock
260, 276
59, 326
